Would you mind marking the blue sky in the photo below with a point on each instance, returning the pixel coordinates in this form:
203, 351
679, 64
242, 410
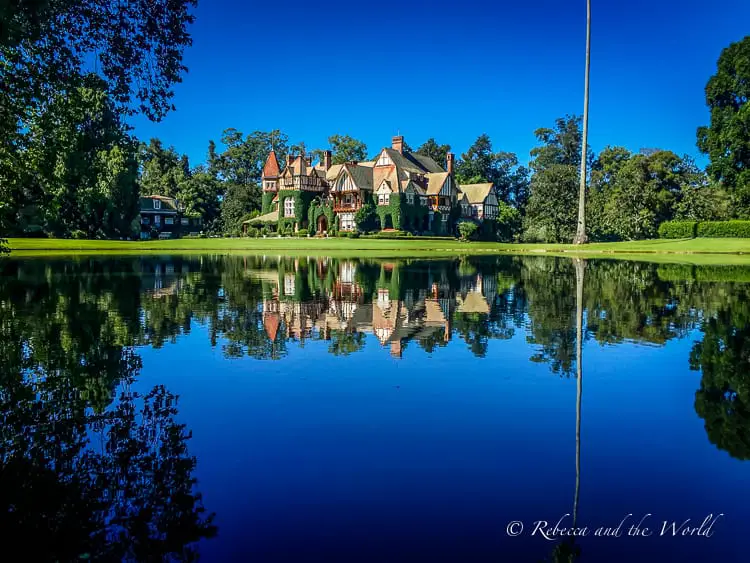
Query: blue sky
449, 71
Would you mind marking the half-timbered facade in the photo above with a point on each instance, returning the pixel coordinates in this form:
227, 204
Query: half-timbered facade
478, 201
409, 192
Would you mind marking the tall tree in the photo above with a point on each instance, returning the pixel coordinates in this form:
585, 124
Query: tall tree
436, 152
560, 144
726, 140
580, 237
551, 212
84, 165
346, 148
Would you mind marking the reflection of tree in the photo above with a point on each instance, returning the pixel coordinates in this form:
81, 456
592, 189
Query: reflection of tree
61, 499
345, 342
85, 474
723, 356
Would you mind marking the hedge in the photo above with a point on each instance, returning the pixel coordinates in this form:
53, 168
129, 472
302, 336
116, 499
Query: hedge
678, 229
705, 229
724, 229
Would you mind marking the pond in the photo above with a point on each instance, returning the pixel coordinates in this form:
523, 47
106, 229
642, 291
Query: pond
274, 408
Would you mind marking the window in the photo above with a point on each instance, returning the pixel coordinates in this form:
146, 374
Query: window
289, 284
168, 221
384, 199
157, 204
288, 207
185, 221
410, 198
145, 221
444, 217
347, 221
157, 219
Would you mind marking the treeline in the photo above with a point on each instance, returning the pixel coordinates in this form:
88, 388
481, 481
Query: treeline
70, 166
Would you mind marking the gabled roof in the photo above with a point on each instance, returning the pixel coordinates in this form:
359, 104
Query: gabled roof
271, 168
435, 182
426, 162
476, 193
361, 175
405, 162
271, 324
474, 302
333, 172
168, 204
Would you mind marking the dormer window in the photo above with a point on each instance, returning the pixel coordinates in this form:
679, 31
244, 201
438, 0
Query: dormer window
157, 204
384, 160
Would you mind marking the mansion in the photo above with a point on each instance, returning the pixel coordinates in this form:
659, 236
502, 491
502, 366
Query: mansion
409, 191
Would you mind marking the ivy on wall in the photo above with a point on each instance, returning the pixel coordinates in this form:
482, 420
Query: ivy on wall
403, 215
266, 202
302, 201
318, 208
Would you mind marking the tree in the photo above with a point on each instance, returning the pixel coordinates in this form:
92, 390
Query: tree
163, 171
559, 145
551, 212
83, 166
726, 140
137, 47
480, 164
580, 237
237, 203
366, 218
200, 194
436, 152
346, 149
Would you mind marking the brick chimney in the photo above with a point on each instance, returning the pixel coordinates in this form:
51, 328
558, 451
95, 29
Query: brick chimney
327, 158
449, 162
289, 159
397, 143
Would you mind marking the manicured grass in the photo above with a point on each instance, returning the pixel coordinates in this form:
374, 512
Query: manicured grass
715, 251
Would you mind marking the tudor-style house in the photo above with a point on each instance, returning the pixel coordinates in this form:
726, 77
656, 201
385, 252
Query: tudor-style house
165, 217
478, 201
409, 192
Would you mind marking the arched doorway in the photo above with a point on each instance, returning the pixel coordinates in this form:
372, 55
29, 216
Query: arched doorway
322, 224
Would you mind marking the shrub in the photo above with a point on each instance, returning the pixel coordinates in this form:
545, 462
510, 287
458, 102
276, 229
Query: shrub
78, 234
265, 231
252, 232
303, 232
353, 234
724, 229
467, 230
678, 229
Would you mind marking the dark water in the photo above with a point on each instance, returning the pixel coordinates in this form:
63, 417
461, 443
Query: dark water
384, 410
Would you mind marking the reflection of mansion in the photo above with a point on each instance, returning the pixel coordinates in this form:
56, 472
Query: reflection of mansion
409, 191
420, 315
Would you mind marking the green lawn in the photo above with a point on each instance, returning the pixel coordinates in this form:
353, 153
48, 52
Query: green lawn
725, 251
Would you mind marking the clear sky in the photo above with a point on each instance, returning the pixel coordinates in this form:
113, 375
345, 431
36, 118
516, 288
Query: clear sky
449, 71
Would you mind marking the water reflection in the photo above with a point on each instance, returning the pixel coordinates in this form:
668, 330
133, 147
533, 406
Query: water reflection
78, 445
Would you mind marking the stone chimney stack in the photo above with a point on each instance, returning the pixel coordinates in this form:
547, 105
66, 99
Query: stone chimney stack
449, 162
397, 143
327, 159
289, 159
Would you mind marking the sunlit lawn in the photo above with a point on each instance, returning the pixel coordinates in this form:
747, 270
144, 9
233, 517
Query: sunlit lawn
724, 250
